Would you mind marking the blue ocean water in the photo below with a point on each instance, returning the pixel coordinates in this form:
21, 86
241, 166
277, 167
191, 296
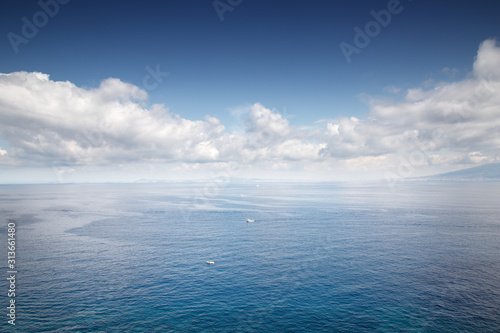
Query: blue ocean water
333, 257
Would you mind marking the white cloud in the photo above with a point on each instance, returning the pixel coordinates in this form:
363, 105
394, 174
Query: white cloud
46, 122
414, 95
455, 118
487, 62
265, 122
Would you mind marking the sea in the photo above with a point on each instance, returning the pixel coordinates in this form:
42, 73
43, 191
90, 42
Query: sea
319, 257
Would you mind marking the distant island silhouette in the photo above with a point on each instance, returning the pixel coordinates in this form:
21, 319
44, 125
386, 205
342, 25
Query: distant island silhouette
486, 172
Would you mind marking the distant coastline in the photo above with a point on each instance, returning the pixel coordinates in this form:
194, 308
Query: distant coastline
484, 173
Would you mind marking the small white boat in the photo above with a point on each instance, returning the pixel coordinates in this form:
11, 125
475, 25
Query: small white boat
210, 262
248, 220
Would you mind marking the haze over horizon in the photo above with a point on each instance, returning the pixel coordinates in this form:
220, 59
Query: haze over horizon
122, 91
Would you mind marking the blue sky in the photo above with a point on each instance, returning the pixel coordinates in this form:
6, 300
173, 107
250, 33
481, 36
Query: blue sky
283, 55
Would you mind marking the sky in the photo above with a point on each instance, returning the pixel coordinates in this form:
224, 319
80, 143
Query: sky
118, 91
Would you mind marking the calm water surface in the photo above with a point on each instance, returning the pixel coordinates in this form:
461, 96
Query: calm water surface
424, 257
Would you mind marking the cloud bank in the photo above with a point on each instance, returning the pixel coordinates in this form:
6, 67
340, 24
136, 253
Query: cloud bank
45, 122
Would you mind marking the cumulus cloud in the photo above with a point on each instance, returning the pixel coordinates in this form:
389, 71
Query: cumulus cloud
487, 62
452, 118
46, 122
51, 122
